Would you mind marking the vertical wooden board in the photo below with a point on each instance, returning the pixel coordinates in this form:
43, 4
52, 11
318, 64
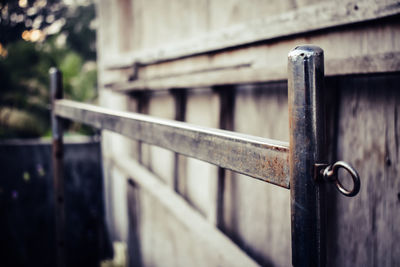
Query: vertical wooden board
158, 238
136, 26
367, 226
201, 178
108, 39
163, 240
124, 23
162, 161
158, 23
112, 143
257, 214
262, 110
115, 203
182, 20
114, 187
228, 13
103, 31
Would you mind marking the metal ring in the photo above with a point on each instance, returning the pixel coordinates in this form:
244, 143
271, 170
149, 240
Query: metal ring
331, 173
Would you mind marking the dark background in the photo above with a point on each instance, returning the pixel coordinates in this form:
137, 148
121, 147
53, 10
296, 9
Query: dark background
27, 230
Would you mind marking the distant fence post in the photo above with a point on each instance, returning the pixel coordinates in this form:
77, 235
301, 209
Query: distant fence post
307, 142
56, 92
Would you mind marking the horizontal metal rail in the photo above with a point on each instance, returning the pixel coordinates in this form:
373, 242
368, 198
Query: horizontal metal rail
264, 159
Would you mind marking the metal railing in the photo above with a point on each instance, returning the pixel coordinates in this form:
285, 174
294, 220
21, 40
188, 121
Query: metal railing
299, 166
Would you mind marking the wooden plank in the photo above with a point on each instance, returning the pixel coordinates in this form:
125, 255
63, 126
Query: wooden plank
269, 239
365, 229
228, 252
261, 158
201, 178
306, 19
163, 106
382, 62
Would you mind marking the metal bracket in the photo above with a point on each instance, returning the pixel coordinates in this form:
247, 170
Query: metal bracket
329, 173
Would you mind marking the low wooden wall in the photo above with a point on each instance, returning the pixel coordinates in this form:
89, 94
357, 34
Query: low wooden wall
223, 64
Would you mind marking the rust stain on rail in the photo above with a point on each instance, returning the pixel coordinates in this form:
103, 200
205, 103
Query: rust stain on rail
277, 167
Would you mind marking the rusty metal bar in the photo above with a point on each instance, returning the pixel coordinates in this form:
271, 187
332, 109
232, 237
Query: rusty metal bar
56, 92
307, 140
261, 158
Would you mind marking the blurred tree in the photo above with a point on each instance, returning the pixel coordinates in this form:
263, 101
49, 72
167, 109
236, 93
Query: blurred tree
79, 29
32, 41
18, 16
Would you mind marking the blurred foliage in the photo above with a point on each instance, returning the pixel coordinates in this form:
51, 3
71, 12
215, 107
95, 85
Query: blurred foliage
20, 15
24, 64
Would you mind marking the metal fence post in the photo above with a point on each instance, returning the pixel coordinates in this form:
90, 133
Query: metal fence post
56, 92
307, 141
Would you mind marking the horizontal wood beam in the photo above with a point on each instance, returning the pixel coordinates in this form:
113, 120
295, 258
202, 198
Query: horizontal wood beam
378, 63
261, 158
329, 14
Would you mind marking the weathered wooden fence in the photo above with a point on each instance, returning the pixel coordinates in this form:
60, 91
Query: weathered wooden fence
223, 64
300, 166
